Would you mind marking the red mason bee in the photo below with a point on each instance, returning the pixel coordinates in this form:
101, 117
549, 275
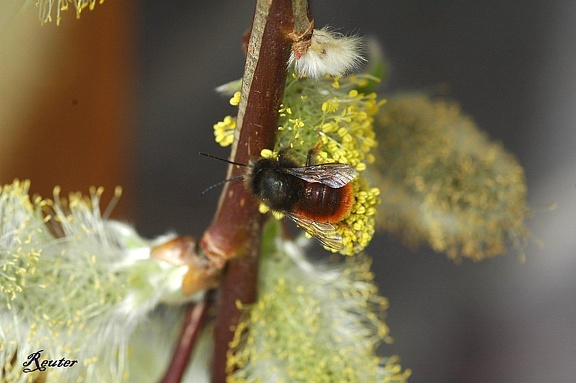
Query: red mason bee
315, 196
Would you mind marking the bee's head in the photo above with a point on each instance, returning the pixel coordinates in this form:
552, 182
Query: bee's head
267, 181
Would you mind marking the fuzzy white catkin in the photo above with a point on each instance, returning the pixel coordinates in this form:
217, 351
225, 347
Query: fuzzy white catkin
329, 53
79, 295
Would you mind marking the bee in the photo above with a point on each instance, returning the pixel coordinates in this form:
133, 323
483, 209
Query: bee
316, 197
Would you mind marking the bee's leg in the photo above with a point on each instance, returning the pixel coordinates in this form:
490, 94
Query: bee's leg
282, 154
283, 159
311, 152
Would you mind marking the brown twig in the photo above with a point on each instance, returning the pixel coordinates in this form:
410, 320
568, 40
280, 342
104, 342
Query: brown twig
233, 238
191, 326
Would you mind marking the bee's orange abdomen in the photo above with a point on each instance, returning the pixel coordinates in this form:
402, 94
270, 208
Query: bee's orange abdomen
322, 203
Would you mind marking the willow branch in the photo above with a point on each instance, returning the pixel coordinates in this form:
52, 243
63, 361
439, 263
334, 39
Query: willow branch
233, 238
191, 326
273, 31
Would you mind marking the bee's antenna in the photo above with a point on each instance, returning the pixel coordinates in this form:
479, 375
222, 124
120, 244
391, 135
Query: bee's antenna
221, 183
224, 160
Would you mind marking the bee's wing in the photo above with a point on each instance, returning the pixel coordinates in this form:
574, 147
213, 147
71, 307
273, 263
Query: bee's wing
325, 232
335, 175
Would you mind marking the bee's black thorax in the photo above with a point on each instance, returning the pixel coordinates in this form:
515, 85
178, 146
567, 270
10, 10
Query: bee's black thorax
278, 190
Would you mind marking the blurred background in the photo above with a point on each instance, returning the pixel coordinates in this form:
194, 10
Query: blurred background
125, 96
